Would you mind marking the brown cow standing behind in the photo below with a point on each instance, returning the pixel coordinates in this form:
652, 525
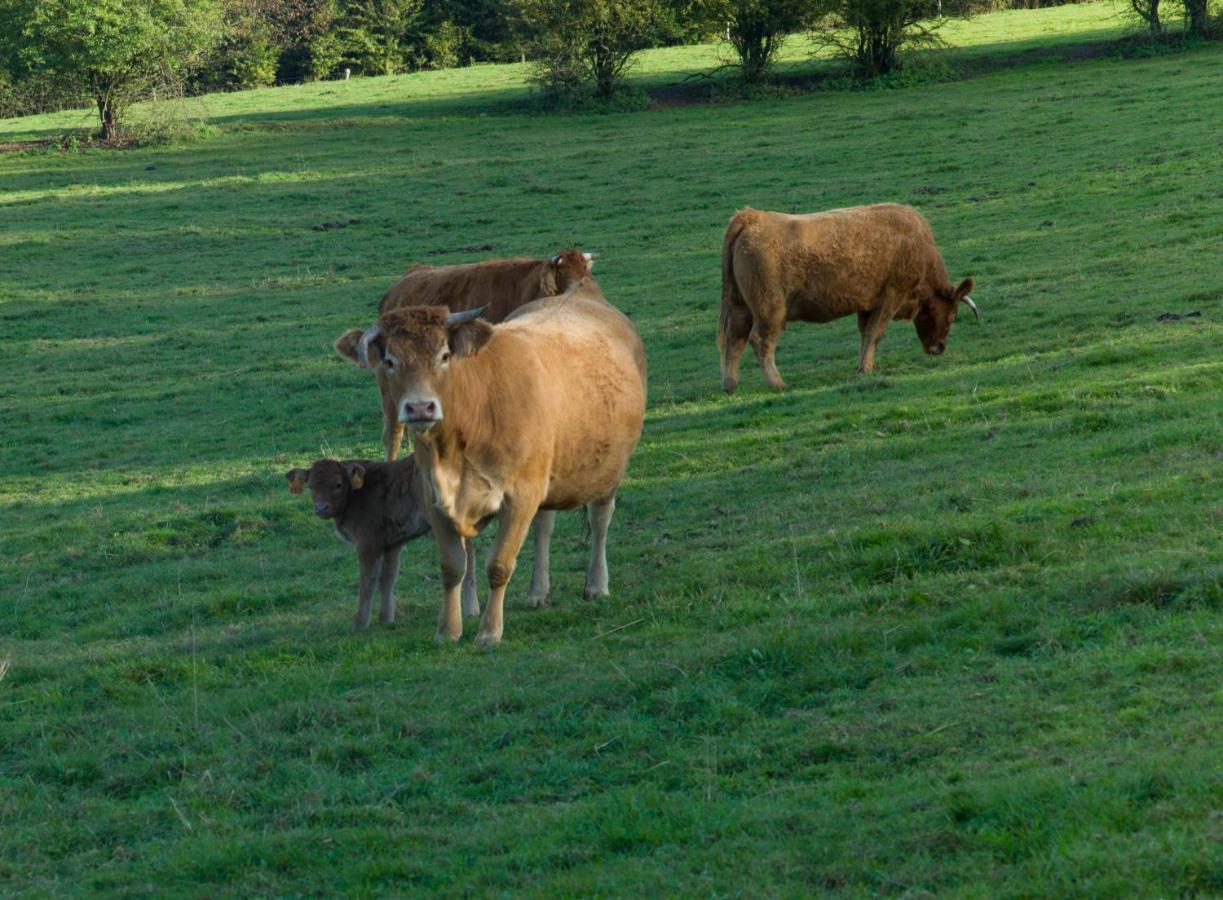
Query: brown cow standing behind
879, 262
501, 285
539, 413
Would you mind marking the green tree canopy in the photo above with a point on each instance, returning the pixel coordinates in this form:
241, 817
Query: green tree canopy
119, 51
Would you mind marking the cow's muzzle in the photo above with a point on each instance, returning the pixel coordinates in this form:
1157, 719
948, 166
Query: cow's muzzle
421, 413
323, 510
936, 349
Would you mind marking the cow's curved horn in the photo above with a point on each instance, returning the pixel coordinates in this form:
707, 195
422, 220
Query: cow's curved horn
458, 318
363, 345
976, 312
556, 260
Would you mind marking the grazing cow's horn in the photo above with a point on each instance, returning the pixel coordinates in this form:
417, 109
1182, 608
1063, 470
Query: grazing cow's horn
363, 345
458, 318
556, 260
973, 307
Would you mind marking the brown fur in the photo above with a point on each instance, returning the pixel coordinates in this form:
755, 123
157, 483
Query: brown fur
877, 262
377, 507
503, 285
539, 413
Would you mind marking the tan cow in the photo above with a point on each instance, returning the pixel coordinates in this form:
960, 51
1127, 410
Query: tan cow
499, 285
540, 412
878, 262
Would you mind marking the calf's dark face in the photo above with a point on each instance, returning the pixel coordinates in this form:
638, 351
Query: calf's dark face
331, 483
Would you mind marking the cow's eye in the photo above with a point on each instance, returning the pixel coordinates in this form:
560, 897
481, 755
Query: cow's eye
389, 363
445, 356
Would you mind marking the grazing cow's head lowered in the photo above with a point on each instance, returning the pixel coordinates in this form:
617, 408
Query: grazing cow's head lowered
331, 483
935, 315
415, 345
565, 270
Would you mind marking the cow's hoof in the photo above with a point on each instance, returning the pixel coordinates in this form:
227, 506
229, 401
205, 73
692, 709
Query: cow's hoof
472, 614
596, 593
487, 639
729, 385
538, 602
443, 638
358, 625
386, 620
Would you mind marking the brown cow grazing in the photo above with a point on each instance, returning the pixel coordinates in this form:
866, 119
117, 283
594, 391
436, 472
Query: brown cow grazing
378, 507
540, 412
879, 262
501, 285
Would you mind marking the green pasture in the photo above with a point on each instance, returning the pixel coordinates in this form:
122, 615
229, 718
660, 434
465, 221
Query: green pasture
952, 628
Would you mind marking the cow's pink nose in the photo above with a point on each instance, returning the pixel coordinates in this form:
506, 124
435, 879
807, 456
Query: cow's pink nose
423, 409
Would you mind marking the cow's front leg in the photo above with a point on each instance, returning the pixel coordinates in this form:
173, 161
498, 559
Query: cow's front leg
371, 567
541, 581
392, 428
386, 585
512, 525
453, 557
871, 329
600, 512
471, 597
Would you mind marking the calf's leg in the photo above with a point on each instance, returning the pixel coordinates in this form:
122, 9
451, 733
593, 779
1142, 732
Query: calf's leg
513, 522
541, 582
386, 585
371, 567
600, 513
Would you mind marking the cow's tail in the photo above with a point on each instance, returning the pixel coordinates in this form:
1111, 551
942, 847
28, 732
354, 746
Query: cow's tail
732, 298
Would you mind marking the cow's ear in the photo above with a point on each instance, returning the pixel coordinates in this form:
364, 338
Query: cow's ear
356, 475
346, 344
297, 480
963, 290
468, 338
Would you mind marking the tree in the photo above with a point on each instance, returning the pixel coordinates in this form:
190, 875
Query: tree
873, 32
757, 28
379, 36
119, 51
586, 42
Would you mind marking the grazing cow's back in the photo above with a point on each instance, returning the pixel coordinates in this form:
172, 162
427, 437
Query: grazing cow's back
878, 262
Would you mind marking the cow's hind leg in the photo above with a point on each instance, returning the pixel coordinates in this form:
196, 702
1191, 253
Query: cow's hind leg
764, 341
871, 326
600, 512
541, 581
471, 597
513, 522
734, 326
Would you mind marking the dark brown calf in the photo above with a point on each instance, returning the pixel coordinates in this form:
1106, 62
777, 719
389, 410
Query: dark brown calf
377, 507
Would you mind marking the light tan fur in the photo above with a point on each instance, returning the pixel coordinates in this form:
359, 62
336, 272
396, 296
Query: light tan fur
877, 262
541, 412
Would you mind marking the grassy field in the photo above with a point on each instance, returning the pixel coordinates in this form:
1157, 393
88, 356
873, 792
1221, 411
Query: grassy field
952, 628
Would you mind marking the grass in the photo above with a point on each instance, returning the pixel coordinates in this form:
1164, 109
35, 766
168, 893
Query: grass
952, 628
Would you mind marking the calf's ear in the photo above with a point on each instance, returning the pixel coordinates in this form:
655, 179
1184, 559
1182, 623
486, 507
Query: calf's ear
346, 345
297, 480
467, 339
356, 475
